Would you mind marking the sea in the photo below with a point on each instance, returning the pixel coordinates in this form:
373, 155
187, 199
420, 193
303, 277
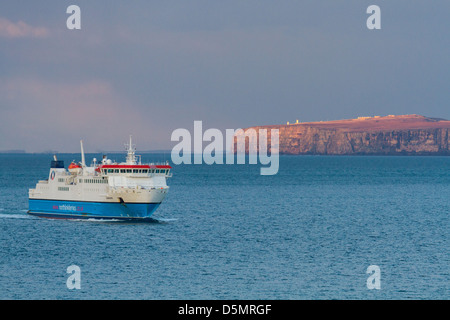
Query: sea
324, 227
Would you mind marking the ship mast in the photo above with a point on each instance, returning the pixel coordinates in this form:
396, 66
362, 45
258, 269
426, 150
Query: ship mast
131, 157
83, 161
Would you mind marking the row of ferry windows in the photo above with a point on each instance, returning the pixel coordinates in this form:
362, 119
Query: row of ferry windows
106, 171
85, 181
93, 181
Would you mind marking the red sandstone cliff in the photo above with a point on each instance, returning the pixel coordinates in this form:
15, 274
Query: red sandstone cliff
406, 134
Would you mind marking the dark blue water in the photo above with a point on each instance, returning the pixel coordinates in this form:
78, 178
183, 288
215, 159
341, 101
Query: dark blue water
225, 232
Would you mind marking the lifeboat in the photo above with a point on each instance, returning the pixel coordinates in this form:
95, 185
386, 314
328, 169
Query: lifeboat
74, 168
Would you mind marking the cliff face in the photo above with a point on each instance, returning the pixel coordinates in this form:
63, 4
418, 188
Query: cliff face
368, 136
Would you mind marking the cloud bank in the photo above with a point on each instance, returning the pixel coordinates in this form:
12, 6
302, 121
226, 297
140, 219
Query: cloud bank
64, 113
20, 29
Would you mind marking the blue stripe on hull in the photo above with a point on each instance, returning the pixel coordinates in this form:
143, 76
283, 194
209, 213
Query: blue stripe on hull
91, 210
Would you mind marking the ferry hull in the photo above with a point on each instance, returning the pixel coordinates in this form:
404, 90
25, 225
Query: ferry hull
61, 209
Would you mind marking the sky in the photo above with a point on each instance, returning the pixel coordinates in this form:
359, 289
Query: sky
146, 68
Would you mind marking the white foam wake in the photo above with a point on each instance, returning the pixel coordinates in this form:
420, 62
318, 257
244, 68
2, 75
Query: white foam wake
15, 216
165, 219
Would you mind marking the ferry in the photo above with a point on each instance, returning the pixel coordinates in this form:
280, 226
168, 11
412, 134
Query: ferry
128, 190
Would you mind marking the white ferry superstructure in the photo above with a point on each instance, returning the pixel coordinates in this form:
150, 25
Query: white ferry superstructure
107, 190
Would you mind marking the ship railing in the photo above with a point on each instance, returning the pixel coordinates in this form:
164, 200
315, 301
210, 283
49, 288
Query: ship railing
137, 187
165, 163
